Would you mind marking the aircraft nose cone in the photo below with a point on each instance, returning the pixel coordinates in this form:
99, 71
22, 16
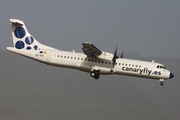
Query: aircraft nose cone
171, 75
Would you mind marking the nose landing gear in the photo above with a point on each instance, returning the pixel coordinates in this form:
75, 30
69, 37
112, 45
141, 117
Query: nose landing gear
161, 82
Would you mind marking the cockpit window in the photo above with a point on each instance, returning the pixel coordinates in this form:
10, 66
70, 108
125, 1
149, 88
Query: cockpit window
164, 67
161, 67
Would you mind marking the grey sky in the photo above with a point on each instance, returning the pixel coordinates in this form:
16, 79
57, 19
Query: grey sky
147, 27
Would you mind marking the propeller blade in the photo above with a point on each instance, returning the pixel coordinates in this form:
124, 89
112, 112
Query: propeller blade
115, 57
122, 54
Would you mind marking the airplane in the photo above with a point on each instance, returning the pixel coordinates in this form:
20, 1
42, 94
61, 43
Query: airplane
92, 60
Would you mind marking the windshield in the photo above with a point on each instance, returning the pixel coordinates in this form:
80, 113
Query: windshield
161, 67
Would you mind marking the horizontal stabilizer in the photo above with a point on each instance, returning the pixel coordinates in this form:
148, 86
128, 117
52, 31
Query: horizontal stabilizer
16, 22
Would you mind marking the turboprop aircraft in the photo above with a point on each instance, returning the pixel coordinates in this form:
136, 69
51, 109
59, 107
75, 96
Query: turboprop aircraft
93, 60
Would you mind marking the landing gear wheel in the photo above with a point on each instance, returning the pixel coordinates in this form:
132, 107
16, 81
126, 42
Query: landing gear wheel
161, 83
95, 74
92, 74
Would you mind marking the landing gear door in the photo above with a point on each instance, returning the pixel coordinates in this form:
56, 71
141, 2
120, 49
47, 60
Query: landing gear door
48, 57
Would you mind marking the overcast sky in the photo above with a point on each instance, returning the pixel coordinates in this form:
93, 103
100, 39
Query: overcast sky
147, 27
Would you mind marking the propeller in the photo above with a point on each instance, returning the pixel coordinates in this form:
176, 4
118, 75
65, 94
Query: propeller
115, 57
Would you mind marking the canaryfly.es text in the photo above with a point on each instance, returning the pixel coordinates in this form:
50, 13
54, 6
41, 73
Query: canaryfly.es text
137, 70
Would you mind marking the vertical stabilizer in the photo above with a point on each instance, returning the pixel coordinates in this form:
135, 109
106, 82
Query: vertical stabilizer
22, 39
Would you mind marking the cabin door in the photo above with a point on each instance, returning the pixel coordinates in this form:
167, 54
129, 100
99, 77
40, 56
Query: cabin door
48, 57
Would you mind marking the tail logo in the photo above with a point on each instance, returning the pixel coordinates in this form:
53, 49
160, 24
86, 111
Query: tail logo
29, 40
19, 44
20, 33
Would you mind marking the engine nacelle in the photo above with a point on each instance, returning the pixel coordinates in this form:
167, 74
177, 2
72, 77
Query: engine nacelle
106, 56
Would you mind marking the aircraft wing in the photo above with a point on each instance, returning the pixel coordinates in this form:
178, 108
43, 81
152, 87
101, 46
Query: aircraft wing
90, 50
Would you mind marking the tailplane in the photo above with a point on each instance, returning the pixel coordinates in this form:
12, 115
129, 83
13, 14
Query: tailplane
22, 39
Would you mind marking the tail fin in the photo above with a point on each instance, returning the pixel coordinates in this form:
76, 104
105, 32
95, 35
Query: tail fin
22, 39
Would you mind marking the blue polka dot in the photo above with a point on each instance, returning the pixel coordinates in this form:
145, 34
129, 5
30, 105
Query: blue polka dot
19, 45
28, 48
29, 40
35, 47
19, 32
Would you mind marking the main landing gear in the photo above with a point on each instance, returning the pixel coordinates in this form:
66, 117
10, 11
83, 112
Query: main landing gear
161, 82
95, 74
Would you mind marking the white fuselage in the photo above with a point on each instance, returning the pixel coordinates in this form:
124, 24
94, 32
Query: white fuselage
81, 62
93, 60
